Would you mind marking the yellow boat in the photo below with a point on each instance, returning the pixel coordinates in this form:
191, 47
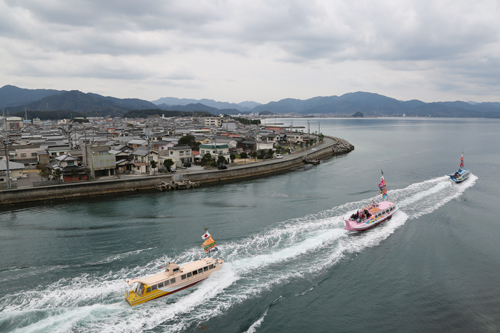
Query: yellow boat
174, 279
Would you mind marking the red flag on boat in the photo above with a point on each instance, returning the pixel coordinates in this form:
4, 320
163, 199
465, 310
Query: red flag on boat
462, 161
206, 235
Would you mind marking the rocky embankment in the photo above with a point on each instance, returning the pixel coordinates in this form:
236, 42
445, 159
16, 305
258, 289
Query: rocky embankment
341, 146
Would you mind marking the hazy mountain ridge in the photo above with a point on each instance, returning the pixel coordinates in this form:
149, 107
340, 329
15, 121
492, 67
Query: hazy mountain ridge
90, 104
379, 105
173, 101
11, 96
370, 104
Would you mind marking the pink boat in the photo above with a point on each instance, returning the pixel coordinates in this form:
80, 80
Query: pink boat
374, 214
370, 216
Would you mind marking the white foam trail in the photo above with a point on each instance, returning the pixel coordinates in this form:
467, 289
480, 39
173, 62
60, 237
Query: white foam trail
253, 265
256, 325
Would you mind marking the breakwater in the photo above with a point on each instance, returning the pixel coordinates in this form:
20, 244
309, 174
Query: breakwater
330, 147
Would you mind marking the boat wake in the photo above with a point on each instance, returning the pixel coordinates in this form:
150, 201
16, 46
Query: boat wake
253, 265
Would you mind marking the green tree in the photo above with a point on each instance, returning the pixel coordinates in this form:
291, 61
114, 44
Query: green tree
321, 137
206, 160
221, 160
270, 152
189, 140
243, 155
168, 163
260, 155
232, 157
57, 173
44, 173
254, 154
88, 172
153, 165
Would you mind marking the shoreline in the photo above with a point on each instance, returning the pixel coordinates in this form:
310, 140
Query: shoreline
331, 146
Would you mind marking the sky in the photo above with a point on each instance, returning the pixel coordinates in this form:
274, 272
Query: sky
254, 50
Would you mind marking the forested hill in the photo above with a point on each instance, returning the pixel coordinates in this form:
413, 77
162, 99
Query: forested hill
375, 104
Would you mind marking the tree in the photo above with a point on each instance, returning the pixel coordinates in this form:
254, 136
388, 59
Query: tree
88, 172
206, 160
44, 173
153, 165
261, 154
190, 141
270, 152
254, 154
321, 137
168, 163
221, 159
243, 155
232, 157
57, 173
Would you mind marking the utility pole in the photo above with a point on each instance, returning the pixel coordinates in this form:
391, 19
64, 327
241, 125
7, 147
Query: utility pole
6, 146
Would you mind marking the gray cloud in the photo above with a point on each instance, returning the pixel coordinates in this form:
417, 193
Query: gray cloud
185, 40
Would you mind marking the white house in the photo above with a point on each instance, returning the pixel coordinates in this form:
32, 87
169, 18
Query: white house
180, 154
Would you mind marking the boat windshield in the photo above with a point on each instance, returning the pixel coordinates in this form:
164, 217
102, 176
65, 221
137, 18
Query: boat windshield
139, 289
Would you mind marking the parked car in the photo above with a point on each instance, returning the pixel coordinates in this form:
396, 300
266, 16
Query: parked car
187, 165
221, 167
279, 156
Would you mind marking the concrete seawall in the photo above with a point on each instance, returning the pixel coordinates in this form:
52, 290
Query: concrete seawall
330, 147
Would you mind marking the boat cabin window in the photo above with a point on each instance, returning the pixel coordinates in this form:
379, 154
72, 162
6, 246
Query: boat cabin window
200, 270
166, 283
195, 272
148, 290
139, 289
154, 287
189, 274
183, 277
205, 268
160, 285
172, 280
211, 266
176, 270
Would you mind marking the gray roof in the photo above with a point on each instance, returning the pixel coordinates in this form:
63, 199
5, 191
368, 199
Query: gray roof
12, 165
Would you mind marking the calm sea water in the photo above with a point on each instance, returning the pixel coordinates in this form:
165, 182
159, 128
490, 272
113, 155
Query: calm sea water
290, 265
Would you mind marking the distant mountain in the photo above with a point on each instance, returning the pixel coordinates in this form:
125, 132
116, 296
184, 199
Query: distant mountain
15, 96
249, 104
198, 107
171, 101
159, 112
89, 104
14, 99
379, 105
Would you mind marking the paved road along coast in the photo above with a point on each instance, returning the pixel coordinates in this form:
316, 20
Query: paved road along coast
329, 147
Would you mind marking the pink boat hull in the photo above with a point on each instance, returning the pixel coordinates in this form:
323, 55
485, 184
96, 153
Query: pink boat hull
379, 213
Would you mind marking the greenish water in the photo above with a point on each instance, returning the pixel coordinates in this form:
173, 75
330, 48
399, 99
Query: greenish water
290, 264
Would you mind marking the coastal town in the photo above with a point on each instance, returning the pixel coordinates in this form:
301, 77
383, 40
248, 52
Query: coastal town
50, 152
